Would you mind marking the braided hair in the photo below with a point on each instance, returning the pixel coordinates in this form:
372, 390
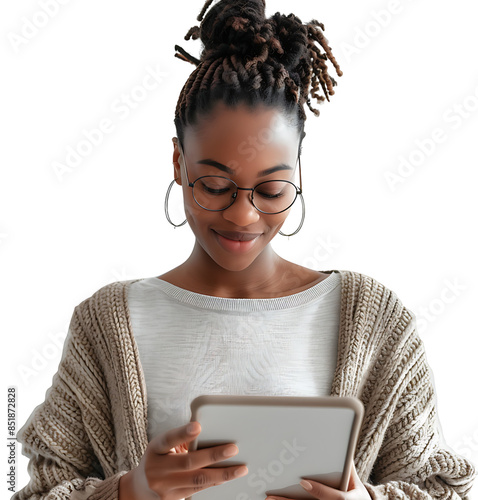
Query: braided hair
249, 58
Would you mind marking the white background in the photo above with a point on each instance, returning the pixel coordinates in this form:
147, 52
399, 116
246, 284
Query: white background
407, 75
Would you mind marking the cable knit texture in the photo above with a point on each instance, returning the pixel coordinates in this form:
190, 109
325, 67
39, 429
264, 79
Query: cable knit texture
92, 426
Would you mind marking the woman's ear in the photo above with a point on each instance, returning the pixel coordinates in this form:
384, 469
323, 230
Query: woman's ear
177, 165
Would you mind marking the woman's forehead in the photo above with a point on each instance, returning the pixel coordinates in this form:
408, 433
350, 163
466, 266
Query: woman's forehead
241, 127
242, 115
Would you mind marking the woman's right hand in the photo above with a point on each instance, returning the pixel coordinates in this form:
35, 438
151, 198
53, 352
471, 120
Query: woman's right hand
175, 475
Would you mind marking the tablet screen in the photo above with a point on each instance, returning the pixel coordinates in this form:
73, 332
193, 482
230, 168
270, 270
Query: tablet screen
281, 440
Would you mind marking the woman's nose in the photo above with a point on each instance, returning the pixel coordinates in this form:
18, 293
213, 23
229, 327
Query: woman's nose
242, 212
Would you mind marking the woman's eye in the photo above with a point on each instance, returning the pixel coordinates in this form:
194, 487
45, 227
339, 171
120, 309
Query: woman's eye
211, 190
271, 195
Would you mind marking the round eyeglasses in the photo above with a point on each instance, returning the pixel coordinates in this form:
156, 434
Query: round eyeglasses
216, 193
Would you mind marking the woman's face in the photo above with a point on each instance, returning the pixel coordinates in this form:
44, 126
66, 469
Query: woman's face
246, 142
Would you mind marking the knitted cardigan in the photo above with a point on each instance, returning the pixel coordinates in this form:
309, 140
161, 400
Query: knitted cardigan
92, 426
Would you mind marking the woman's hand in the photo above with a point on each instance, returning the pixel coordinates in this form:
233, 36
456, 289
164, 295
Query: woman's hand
355, 491
169, 471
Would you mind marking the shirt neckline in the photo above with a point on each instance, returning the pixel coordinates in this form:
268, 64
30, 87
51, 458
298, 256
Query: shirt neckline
246, 304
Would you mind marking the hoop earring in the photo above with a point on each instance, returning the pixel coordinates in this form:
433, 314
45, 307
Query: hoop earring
166, 201
301, 221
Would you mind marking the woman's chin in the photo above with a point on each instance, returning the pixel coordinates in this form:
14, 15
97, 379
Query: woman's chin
232, 261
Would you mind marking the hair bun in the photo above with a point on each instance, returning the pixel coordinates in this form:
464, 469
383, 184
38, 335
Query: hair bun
232, 27
278, 52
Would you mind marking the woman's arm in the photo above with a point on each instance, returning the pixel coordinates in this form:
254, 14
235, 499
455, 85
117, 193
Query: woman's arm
414, 461
65, 435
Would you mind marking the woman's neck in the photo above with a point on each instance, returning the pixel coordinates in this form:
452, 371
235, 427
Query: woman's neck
268, 276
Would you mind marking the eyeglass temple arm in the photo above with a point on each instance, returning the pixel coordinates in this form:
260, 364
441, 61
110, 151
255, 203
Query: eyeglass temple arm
300, 177
190, 184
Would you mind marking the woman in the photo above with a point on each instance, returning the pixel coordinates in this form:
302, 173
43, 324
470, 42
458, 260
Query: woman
235, 317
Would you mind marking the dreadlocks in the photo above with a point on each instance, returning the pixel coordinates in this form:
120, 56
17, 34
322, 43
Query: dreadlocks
246, 57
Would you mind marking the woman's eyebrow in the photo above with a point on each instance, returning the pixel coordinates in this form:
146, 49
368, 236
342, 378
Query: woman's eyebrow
224, 168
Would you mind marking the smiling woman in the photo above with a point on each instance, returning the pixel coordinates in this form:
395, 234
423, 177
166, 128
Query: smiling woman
235, 224
235, 317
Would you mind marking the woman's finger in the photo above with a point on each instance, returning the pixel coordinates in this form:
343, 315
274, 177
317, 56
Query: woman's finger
355, 490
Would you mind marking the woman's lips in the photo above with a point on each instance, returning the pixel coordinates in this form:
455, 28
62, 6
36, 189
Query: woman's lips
238, 236
237, 245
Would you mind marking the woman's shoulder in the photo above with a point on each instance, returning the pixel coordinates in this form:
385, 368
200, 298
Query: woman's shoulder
108, 293
103, 307
374, 299
357, 280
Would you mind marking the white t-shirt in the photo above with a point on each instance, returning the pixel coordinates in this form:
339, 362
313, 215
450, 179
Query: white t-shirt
192, 344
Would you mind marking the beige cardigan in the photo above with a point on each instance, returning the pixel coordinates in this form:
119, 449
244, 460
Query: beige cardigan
92, 427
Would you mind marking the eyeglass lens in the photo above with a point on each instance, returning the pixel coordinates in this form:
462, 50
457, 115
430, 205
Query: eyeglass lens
218, 193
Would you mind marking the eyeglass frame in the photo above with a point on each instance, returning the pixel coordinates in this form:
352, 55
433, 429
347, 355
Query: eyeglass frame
298, 190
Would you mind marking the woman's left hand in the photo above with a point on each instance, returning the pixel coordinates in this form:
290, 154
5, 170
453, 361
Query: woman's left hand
355, 491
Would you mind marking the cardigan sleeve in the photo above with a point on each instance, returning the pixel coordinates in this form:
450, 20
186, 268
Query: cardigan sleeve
414, 462
67, 433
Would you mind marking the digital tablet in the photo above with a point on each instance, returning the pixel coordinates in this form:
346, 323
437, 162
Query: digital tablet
281, 439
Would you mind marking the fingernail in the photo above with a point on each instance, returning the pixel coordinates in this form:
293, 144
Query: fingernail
241, 471
230, 451
191, 428
306, 485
